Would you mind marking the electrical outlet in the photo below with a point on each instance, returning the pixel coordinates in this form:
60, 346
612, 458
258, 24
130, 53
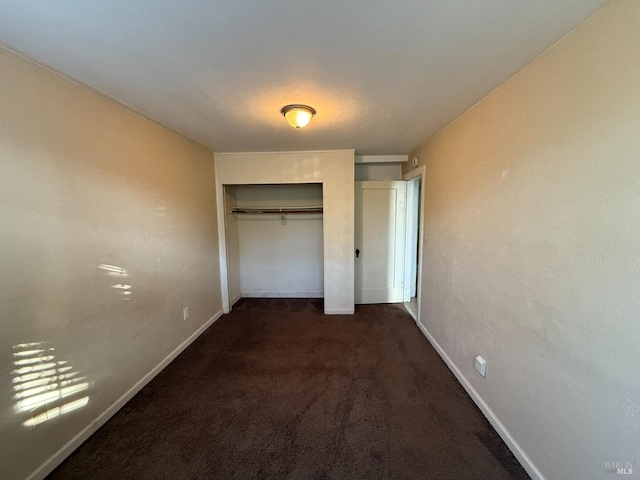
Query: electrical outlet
481, 365
185, 313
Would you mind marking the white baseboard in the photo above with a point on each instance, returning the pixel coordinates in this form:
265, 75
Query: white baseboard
282, 295
339, 311
522, 457
413, 315
57, 458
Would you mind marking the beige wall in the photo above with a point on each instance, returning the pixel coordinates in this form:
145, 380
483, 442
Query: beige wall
532, 248
95, 202
233, 244
377, 171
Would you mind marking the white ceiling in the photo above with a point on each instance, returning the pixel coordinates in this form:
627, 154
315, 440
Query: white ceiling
383, 75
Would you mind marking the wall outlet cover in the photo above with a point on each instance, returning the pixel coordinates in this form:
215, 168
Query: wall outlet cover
481, 365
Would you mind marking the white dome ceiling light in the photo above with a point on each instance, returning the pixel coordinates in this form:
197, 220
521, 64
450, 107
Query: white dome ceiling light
298, 116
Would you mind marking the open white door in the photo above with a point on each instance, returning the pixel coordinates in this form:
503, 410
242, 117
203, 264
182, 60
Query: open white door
379, 231
412, 239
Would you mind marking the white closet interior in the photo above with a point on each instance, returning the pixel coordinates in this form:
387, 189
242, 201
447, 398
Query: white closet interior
274, 240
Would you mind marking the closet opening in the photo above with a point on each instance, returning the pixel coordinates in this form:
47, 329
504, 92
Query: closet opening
274, 236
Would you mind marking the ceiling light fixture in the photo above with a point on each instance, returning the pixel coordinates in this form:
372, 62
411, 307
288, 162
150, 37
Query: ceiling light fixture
297, 116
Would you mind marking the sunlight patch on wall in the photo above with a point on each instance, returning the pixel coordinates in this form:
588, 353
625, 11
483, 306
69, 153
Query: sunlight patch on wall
119, 273
44, 387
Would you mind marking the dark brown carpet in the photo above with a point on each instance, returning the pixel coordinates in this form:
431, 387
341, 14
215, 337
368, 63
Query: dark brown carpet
278, 390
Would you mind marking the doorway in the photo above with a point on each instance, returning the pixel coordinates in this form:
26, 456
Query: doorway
380, 239
274, 240
388, 232
413, 241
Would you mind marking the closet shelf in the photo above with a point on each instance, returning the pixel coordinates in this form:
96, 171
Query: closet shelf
276, 210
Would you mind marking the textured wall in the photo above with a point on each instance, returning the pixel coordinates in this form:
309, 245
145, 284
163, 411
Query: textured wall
233, 244
108, 229
532, 221
378, 171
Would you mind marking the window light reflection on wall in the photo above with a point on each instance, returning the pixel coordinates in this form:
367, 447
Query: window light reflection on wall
124, 289
44, 387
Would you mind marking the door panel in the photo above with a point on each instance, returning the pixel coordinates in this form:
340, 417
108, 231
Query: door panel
412, 239
380, 224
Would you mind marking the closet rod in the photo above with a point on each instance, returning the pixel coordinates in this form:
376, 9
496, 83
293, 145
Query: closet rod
278, 210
